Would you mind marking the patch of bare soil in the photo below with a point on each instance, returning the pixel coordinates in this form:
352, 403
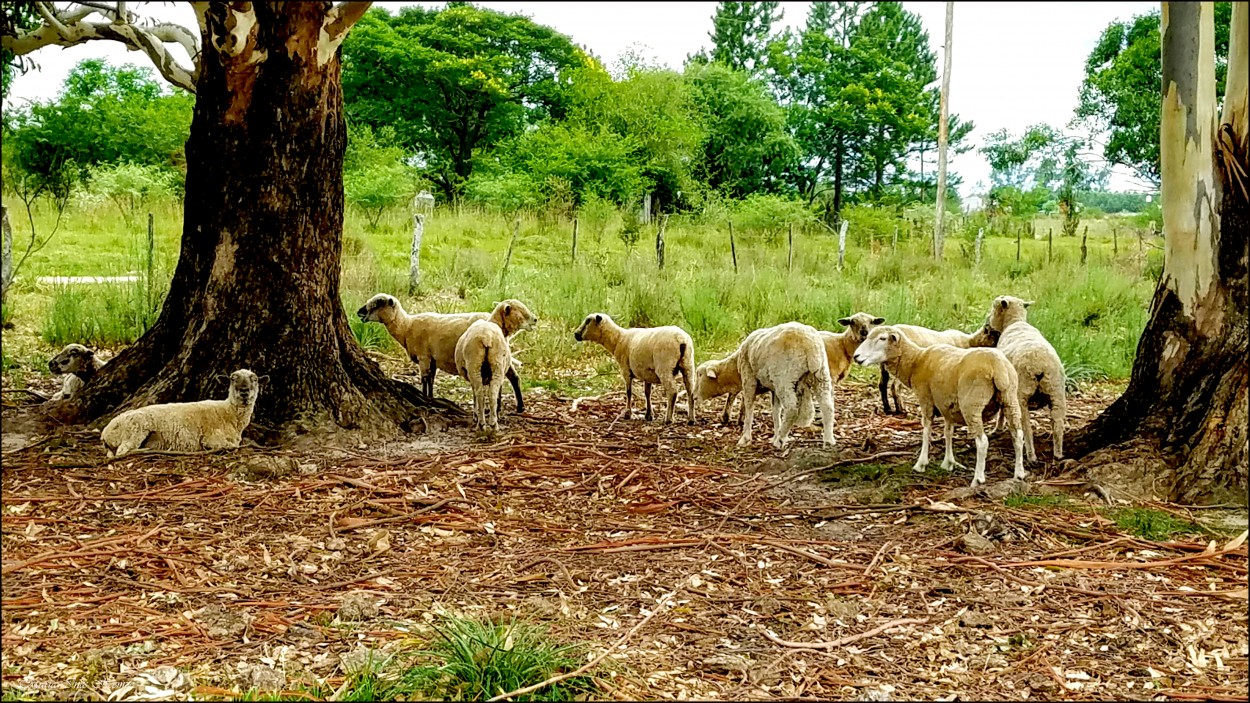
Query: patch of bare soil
810, 574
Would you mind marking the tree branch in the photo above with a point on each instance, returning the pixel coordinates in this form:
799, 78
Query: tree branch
341, 18
70, 30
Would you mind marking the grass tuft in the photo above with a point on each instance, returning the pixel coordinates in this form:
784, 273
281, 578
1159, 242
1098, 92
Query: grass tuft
1153, 525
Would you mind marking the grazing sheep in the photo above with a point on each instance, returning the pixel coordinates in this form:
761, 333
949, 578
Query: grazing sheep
925, 337
790, 361
187, 427
650, 354
430, 338
964, 385
80, 365
839, 347
483, 359
1042, 379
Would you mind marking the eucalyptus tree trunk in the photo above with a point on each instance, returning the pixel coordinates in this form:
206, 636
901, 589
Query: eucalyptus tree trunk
257, 280
939, 233
1188, 391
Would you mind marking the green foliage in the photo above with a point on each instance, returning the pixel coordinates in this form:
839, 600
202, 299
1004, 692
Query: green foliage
478, 659
103, 115
1151, 524
1110, 202
740, 35
131, 187
455, 82
592, 161
1120, 94
631, 226
1024, 500
375, 175
770, 215
104, 314
747, 148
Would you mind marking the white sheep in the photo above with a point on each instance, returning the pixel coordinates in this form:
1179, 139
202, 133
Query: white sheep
483, 358
430, 338
790, 361
925, 337
964, 385
80, 365
650, 354
187, 427
1042, 378
839, 348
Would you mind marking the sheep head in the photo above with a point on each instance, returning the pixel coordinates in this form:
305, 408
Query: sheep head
715, 378
74, 358
592, 327
1006, 310
882, 345
380, 308
513, 316
245, 386
860, 324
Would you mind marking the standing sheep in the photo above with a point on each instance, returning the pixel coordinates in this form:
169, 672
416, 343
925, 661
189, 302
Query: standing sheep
1042, 379
79, 363
925, 337
482, 359
964, 385
187, 427
790, 361
430, 338
650, 354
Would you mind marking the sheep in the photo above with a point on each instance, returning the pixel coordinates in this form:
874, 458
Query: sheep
430, 338
187, 427
925, 337
790, 361
650, 354
1042, 379
483, 359
839, 347
964, 385
80, 365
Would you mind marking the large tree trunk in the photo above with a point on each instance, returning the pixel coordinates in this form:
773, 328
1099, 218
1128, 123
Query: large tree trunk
1188, 392
939, 233
257, 281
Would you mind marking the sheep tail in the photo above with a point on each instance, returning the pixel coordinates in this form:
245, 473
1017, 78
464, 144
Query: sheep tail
682, 365
486, 370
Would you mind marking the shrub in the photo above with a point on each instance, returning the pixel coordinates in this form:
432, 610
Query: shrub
770, 215
131, 187
106, 314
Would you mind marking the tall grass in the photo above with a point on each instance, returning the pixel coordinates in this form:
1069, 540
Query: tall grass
1093, 314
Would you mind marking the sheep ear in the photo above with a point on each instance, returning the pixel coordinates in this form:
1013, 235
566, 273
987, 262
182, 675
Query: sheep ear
878, 320
507, 310
845, 321
263, 379
893, 337
598, 319
1027, 303
711, 373
1002, 303
88, 353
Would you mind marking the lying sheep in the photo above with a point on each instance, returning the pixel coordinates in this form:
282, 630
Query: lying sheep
925, 337
790, 361
1042, 379
430, 338
650, 354
483, 359
80, 365
839, 347
187, 427
964, 385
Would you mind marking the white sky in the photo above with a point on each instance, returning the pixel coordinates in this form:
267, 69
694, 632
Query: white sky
1014, 64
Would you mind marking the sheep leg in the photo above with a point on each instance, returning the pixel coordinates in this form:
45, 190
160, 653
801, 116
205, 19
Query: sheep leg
948, 462
646, 397
729, 401
670, 391
785, 409
1027, 426
129, 444
427, 379
495, 393
1058, 415
629, 396
898, 404
884, 387
807, 409
827, 416
515, 380
689, 384
748, 410
926, 422
977, 429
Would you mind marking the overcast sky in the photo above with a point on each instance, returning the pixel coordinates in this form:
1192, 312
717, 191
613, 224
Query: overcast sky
1014, 64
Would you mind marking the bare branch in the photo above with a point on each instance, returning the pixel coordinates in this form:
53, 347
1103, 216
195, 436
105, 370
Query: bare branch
343, 16
73, 30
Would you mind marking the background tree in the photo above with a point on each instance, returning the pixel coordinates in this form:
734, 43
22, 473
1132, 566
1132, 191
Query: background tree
1122, 77
257, 279
455, 82
376, 175
741, 32
1187, 396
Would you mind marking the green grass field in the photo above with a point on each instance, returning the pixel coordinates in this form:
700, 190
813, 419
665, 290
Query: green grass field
1092, 313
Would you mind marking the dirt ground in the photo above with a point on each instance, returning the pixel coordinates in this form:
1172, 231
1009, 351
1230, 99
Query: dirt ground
737, 563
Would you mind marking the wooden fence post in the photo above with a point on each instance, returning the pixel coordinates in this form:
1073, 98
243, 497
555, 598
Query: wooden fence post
1115, 240
790, 255
414, 254
894, 242
573, 259
733, 250
507, 258
842, 243
1050, 243
659, 242
1084, 249
980, 237
1019, 233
